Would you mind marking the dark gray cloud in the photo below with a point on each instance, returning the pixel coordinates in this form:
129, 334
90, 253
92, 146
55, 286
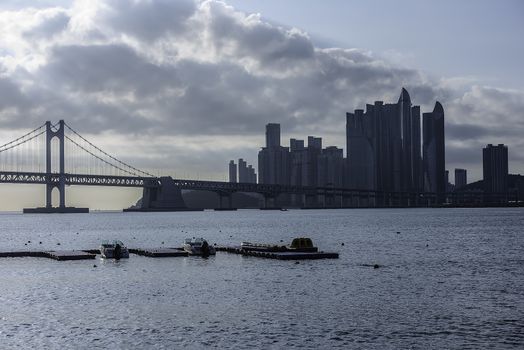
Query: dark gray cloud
198, 68
50, 26
105, 68
148, 20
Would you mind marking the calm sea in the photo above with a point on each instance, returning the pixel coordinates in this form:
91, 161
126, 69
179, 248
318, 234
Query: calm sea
450, 279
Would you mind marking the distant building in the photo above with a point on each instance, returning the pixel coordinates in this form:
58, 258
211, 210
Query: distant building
272, 135
449, 186
330, 167
495, 168
461, 178
246, 172
242, 171
383, 147
251, 175
274, 165
434, 161
232, 171
297, 159
310, 161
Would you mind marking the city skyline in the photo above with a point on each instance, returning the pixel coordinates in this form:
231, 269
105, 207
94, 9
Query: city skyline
183, 107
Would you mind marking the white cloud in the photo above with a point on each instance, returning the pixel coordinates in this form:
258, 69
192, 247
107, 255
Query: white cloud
185, 72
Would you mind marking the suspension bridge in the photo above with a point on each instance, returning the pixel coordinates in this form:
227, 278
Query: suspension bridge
57, 156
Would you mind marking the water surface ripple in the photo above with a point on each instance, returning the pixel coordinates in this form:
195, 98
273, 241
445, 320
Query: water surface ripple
450, 279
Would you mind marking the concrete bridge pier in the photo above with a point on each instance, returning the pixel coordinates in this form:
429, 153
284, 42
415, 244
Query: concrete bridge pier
163, 195
226, 197
310, 201
270, 201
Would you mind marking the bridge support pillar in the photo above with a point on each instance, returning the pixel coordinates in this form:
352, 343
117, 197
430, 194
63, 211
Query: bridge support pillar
228, 197
270, 201
50, 135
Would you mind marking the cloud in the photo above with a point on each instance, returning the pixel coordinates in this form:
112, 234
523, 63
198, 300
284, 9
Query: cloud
199, 70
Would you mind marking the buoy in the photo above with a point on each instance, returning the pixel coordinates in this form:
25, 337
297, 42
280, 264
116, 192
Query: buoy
94, 265
342, 243
40, 242
25, 243
376, 266
58, 243
28, 241
162, 242
398, 232
297, 262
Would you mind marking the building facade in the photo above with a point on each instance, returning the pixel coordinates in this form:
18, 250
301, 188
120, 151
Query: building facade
383, 147
232, 171
461, 178
495, 168
434, 161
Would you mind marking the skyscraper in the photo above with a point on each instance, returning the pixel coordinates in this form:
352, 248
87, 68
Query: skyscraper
242, 171
434, 152
461, 178
383, 146
274, 160
232, 171
272, 135
495, 168
310, 161
330, 167
297, 156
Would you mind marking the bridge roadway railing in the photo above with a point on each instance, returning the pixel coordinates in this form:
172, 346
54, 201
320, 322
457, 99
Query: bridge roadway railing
216, 186
78, 179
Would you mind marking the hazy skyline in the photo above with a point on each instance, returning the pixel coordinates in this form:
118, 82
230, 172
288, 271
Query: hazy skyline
184, 86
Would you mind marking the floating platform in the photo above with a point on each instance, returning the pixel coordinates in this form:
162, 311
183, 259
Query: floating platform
70, 255
55, 254
225, 209
159, 252
287, 255
65, 210
158, 210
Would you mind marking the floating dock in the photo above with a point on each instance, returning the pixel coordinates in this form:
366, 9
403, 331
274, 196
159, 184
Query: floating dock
54, 254
273, 252
287, 255
159, 252
70, 255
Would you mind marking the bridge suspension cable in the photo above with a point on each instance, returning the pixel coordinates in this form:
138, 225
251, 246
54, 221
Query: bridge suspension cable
22, 139
25, 153
114, 163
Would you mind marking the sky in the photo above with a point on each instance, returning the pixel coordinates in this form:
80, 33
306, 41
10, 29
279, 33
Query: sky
183, 86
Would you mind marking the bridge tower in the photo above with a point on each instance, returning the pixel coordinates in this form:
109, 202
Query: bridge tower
51, 184
50, 135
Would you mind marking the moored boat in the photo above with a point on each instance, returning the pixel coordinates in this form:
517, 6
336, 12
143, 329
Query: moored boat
113, 250
198, 246
300, 244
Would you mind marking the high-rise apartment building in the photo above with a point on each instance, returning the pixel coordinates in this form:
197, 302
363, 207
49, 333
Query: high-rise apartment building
272, 135
232, 171
383, 146
274, 164
461, 178
434, 161
495, 168
242, 171
330, 167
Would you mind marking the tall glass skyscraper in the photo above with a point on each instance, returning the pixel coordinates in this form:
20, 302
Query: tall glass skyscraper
383, 146
434, 159
495, 168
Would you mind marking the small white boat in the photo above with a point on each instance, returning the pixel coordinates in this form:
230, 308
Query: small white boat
198, 246
114, 250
